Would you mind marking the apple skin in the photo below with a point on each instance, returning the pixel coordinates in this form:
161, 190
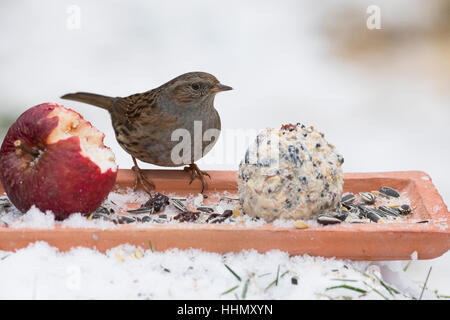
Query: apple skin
62, 179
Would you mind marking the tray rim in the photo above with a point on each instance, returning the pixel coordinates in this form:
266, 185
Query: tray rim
420, 179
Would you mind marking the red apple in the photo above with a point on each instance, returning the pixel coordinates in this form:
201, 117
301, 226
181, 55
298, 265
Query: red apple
54, 159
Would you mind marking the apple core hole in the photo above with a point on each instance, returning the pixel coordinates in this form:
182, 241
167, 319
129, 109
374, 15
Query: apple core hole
71, 124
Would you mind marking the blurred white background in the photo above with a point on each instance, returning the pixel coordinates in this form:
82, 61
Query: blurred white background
381, 96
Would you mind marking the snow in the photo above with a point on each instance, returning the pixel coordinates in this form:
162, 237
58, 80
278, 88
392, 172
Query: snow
34, 218
79, 221
126, 272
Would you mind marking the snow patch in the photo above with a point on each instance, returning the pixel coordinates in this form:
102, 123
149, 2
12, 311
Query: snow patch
36, 219
127, 272
76, 220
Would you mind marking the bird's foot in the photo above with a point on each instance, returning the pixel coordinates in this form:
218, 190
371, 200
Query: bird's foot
197, 173
141, 180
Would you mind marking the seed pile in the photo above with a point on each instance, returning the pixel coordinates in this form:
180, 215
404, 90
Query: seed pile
179, 209
5, 204
5, 207
382, 206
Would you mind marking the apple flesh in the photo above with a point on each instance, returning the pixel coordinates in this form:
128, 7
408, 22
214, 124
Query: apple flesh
54, 159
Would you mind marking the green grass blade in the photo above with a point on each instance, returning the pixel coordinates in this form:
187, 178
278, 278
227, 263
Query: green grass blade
229, 290
376, 291
407, 266
425, 284
244, 291
278, 274
234, 273
263, 275
345, 280
150, 245
344, 286
388, 288
274, 282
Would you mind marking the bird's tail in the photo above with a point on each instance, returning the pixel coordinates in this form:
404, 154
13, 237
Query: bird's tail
98, 100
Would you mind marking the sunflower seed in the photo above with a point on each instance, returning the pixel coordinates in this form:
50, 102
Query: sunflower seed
380, 213
327, 219
389, 192
5, 204
102, 210
362, 211
98, 215
215, 217
390, 211
373, 215
187, 216
229, 198
404, 209
146, 219
144, 210
346, 205
368, 197
227, 213
178, 198
348, 198
356, 221
125, 219
217, 220
354, 210
179, 205
4, 201
212, 216
205, 209
342, 215
158, 202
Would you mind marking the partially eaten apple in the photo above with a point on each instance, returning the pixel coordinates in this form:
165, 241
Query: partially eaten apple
54, 159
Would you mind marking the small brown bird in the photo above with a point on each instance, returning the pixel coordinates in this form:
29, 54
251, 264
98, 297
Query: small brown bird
144, 122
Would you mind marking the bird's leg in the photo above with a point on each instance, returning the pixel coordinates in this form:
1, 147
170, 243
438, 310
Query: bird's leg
146, 184
197, 173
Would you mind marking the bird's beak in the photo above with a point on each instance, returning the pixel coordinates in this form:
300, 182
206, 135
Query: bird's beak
221, 87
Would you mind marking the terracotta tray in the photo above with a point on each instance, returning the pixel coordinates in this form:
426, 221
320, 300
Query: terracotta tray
349, 241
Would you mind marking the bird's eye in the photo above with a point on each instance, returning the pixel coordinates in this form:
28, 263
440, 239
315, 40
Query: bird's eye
195, 86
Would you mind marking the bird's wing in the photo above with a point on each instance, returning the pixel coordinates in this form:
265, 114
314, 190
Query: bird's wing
142, 110
135, 104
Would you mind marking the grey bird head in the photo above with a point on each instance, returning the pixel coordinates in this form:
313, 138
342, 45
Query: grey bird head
193, 89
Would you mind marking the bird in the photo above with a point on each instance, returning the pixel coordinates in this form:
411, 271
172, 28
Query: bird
144, 123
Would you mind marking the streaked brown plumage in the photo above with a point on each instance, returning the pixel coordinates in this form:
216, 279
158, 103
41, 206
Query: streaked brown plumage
144, 122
